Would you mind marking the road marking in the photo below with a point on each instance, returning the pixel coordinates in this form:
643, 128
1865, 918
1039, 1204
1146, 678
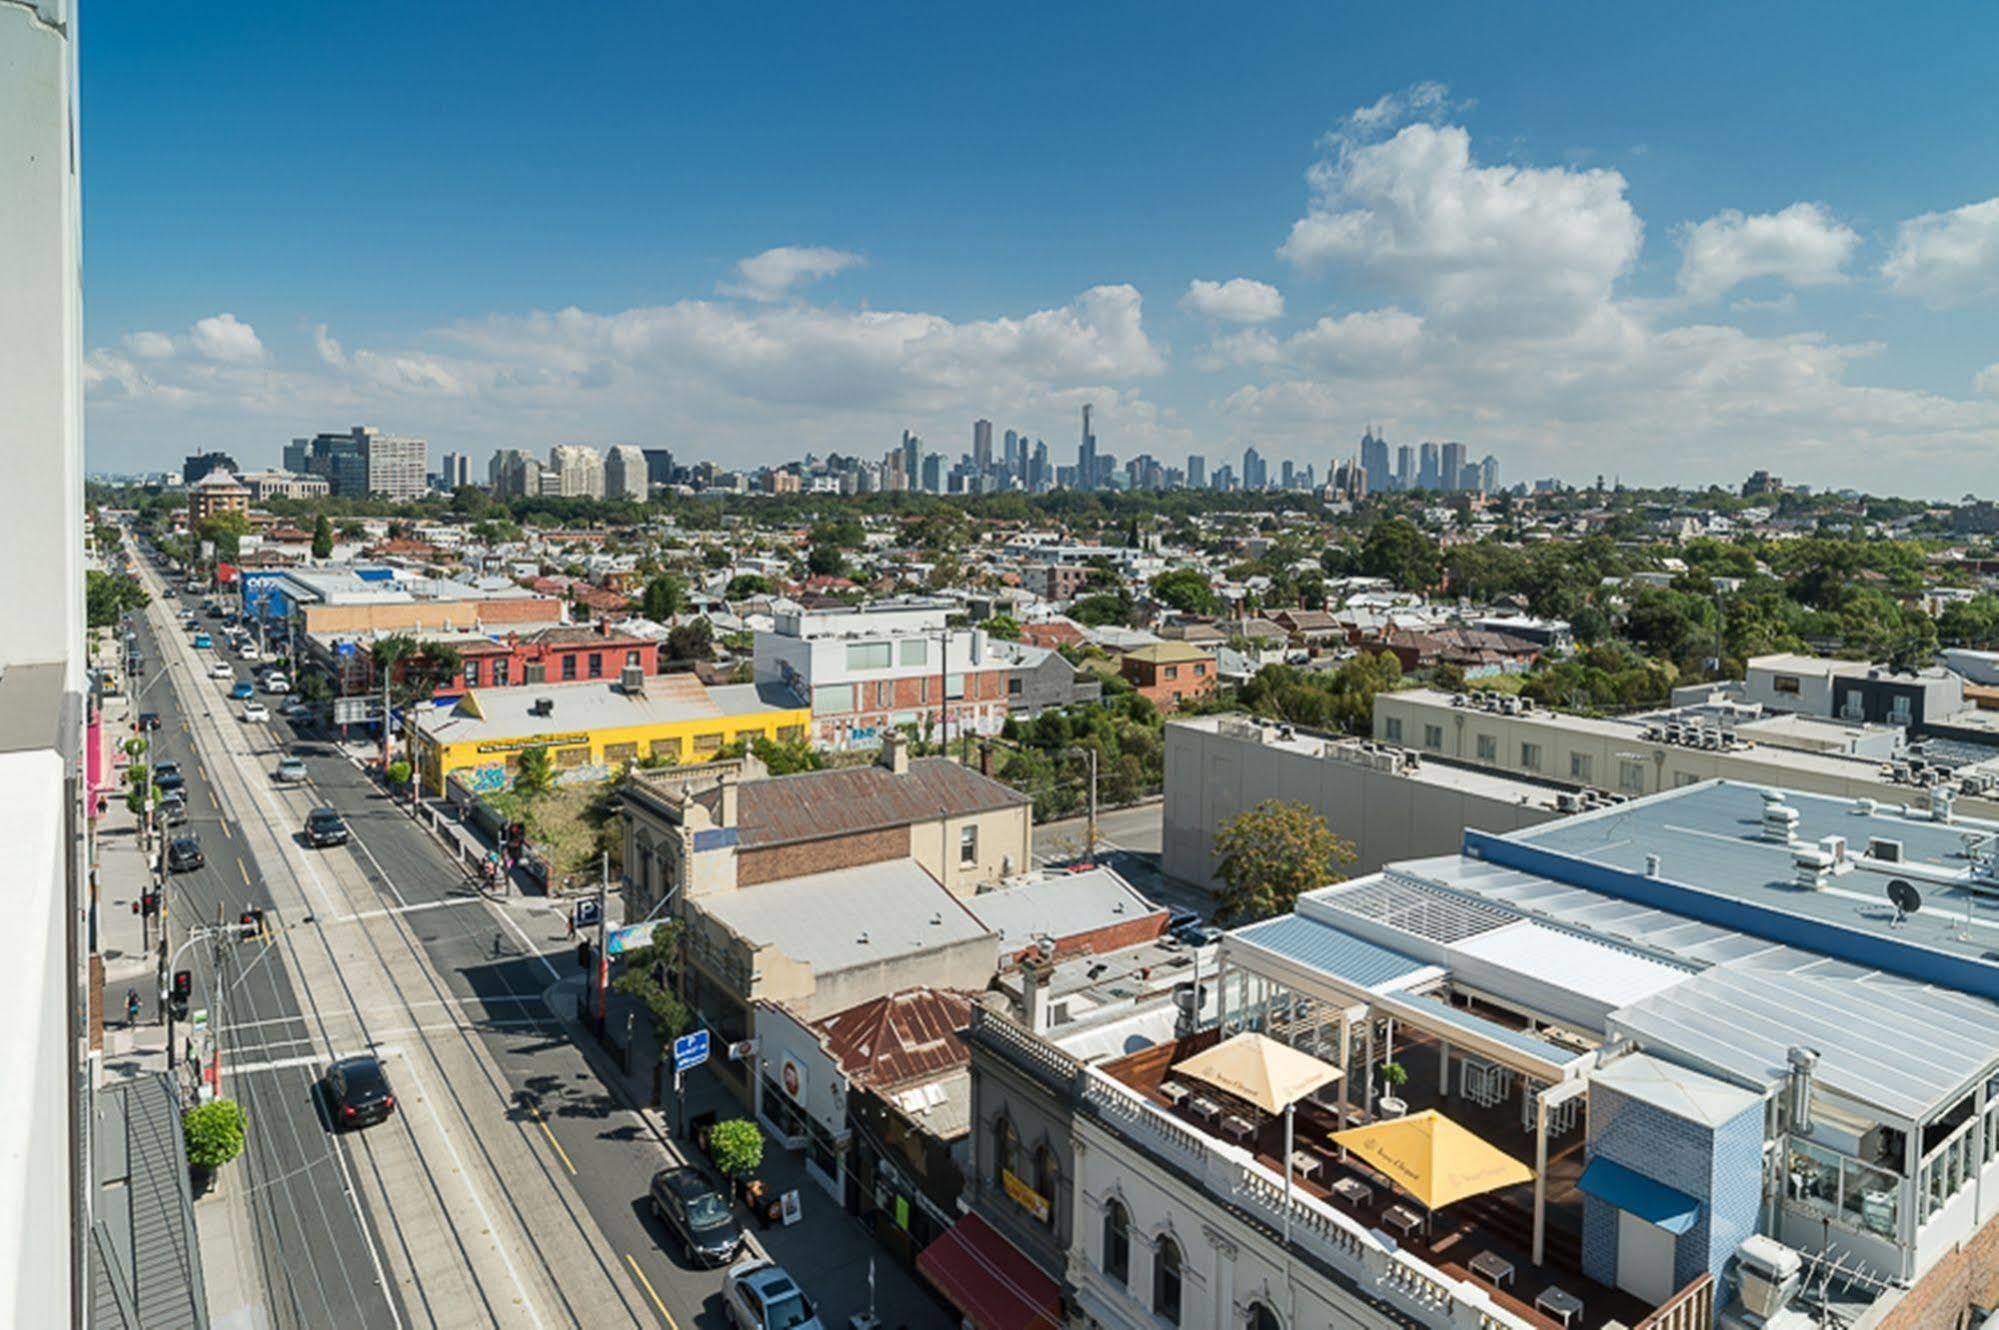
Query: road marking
240, 868
276, 1064
227, 833
542, 1122
647, 1285
212, 803
402, 909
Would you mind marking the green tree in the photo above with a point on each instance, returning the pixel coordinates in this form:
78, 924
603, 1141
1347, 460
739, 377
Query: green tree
107, 596
226, 530
745, 585
1003, 626
826, 561
665, 596
1186, 590
415, 669
214, 1132
322, 537
535, 774
647, 976
691, 641
737, 1146
1396, 550
1103, 608
1271, 853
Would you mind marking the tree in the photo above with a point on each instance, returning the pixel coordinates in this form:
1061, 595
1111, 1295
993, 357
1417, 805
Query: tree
322, 538
648, 976
745, 585
415, 669
1002, 626
737, 1146
535, 774
1186, 590
665, 597
1103, 608
214, 1132
1271, 853
107, 596
226, 530
691, 641
1396, 550
826, 561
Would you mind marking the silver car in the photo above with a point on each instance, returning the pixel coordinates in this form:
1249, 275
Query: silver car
291, 770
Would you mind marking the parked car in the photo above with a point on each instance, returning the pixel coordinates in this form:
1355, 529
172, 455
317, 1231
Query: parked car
1197, 934
256, 713
698, 1213
167, 776
357, 1092
324, 827
1180, 917
241, 691
172, 811
291, 770
220, 670
274, 682
149, 720
203, 640
248, 651
184, 855
761, 1296
296, 711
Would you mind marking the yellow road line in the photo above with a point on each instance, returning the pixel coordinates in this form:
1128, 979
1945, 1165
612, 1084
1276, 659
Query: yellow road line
541, 1122
244, 871
647, 1284
227, 832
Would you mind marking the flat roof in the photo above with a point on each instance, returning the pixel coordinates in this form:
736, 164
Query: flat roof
507, 713
1334, 951
1059, 905
846, 917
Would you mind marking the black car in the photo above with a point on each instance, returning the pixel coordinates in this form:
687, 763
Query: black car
184, 855
686, 1202
149, 720
357, 1092
167, 776
324, 827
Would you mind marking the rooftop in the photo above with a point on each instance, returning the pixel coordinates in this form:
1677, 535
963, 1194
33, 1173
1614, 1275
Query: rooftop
912, 1036
1058, 905
507, 713
814, 805
847, 917
1169, 653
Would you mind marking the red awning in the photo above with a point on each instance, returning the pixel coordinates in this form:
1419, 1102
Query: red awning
988, 1279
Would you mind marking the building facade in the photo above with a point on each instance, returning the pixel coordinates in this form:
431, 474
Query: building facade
626, 474
1170, 674
364, 463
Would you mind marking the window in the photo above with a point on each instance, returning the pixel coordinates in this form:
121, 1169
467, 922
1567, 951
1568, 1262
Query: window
1684, 778
1047, 1179
916, 651
1013, 686
1579, 766
1261, 1318
534, 671
1488, 748
1899, 710
707, 744
1166, 1281
569, 664
1631, 777
954, 686
790, 734
1200, 670
1172, 671
1433, 737
500, 670
572, 757
1784, 683
868, 655
616, 755
1117, 1243
596, 664
831, 699
1006, 1145
1530, 756
631, 659
968, 845
1391, 729
471, 674
666, 749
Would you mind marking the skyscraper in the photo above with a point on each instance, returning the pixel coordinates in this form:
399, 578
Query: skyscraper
1255, 471
982, 446
199, 465
1488, 475
1452, 466
659, 466
1287, 474
1405, 467
1086, 455
580, 469
1429, 475
1374, 460
365, 462
933, 472
1197, 471
626, 475
1040, 476
456, 470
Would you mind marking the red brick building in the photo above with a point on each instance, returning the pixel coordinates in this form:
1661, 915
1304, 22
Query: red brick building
552, 655
1170, 673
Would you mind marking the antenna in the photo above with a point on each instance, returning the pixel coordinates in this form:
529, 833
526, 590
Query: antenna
1905, 898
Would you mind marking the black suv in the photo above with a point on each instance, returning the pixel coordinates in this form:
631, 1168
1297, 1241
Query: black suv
184, 855
149, 720
168, 777
357, 1092
324, 827
686, 1202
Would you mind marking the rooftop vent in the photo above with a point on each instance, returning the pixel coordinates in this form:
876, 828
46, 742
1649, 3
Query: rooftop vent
1780, 820
543, 706
633, 679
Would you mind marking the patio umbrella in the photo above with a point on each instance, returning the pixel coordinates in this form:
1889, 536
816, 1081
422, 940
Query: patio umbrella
1433, 1159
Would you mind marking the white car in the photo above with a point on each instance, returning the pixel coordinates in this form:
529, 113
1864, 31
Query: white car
277, 683
291, 770
221, 670
248, 651
256, 711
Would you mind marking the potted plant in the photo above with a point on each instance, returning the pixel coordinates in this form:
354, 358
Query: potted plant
1393, 1076
214, 1132
737, 1147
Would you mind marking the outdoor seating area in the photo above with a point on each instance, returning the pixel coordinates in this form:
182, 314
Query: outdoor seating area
1484, 1235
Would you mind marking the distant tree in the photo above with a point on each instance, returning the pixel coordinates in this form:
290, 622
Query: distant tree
226, 530
1003, 626
691, 641
1103, 608
1396, 550
322, 537
415, 669
826, 561
535, 774
665, 596
745, 585
1270, 854
1187, 590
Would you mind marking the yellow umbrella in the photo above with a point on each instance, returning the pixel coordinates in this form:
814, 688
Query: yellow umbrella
1433, 1158
1259, 1070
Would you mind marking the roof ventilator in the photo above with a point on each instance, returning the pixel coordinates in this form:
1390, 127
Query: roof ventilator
1780, 820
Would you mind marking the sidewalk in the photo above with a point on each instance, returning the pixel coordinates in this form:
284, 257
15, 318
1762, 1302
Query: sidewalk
828, 1250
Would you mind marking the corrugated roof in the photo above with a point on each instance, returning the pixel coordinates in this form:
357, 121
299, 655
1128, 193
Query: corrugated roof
915, 1035
835, 920
1323, 947
145, 1267
813, 805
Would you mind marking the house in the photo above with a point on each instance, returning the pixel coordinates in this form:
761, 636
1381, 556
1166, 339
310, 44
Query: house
1043, 678
1170, 673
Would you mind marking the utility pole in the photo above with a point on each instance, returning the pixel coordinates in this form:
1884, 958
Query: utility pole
603, 936
1090, 826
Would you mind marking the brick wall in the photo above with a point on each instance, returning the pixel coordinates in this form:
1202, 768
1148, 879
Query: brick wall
1941, 1298
1111, 937
820, 856
432, 616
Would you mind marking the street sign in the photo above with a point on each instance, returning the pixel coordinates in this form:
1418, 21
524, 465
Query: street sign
356, 710
690, 1050
200, 1020
585, 913
621, 940
742, 1049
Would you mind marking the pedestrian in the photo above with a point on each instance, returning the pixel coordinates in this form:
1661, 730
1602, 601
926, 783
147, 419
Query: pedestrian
131, 1007
572, 923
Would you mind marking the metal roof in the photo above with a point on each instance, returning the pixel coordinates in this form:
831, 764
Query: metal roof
814, 805
1589, 967
915, 1035
145, 1265
1415, 907
1059, 905
847, 917
1333, 951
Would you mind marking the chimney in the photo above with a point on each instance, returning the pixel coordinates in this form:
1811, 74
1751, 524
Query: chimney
986, 757
1035, 973
895, 752
726, 816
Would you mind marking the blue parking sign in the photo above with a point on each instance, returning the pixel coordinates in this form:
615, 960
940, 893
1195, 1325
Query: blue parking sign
690, 1050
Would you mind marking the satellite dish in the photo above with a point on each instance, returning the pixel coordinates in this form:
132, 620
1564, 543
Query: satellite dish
1905, 898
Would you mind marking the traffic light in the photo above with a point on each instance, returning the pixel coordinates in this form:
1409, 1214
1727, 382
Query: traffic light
149, 902
182, 991
250, 925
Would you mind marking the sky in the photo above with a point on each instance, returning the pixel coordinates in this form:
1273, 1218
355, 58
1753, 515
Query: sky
1668, 246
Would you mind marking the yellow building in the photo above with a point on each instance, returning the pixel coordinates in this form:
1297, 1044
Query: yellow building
592, 729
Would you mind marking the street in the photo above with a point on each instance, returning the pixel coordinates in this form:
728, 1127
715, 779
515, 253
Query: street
1128, 840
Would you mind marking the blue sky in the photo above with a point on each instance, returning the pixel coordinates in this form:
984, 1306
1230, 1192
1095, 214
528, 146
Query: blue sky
1669, 246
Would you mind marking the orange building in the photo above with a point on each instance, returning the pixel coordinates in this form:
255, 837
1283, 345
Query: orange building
1170, 673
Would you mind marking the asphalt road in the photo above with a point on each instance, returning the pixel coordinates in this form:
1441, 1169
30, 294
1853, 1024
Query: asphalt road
1128, 840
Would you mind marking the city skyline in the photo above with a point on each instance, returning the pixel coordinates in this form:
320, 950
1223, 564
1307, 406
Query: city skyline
1411, 231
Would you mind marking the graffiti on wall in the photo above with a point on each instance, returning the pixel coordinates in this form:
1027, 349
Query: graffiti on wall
484, 780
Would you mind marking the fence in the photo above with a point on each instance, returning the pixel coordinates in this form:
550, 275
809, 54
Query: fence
1692, 1308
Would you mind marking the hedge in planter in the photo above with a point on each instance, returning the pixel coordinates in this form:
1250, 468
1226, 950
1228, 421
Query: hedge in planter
214, 1133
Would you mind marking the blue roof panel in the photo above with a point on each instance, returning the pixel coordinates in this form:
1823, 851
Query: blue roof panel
1323, 947
1634, 1193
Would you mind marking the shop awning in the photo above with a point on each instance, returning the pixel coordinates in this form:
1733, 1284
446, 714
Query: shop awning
1433, 1158
1634, 1193
989, 1280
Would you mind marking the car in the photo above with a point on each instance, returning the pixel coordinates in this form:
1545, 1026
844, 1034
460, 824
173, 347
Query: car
241, 691
149, 720
1180, 917
761, 1296
173, 808
296, 711
1197, 934
698, 1213
203, 640
291, 769
184, 855
220, 670
248, 651
324, 827
167, 776
256, 713
357, 1092
275, 682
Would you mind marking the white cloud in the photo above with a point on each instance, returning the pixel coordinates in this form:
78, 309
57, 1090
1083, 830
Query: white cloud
328, 346
149, 345
1365, 342
771, 275
1946, 259
225, 338
1987, 381
1238, 300
1803, 245
1498, 247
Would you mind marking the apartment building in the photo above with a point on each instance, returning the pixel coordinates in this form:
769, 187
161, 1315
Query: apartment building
1170, 674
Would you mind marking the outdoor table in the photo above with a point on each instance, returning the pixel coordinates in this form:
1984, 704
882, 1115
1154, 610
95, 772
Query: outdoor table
1173, 1091
1202, 1107
1239, 1127
1559, 1303
1494, 1267
1402, 1219
1353, 1191
1304, 1163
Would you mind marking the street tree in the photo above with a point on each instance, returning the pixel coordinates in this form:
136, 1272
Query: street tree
648, 976
665, 596
322, 537
1186, 590
535, 775
1271, 853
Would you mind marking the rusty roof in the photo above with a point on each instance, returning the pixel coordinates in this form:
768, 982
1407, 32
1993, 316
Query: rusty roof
813, 805
915, 1035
